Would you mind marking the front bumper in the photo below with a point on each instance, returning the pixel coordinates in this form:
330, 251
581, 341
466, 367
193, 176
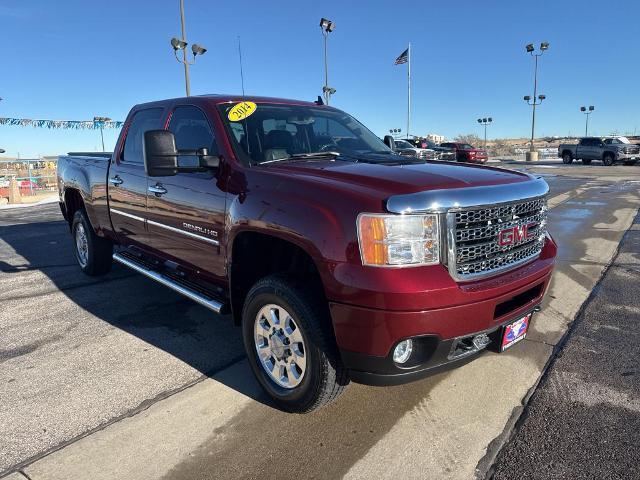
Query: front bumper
367, 336
436, 356
627, 157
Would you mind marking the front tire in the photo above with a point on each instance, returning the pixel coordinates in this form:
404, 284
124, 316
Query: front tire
92, 252
608, 159
290, 344
567, 158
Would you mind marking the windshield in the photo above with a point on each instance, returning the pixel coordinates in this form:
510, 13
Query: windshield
275, 132
403, 144
466, 146
617, 141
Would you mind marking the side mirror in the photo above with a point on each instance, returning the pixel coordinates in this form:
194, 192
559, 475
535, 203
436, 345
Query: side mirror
159, 153
206, 160
390, 142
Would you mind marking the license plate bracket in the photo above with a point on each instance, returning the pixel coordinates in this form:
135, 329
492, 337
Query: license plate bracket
514, 331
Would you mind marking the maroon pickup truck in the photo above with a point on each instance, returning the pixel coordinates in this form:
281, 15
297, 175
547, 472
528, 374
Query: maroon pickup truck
467, 153
339, 259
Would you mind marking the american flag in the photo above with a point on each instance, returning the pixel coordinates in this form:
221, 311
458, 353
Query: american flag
404, 56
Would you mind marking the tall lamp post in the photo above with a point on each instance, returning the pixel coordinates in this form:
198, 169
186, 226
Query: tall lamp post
178, 44
587, 112
395, 132
327, 26
486, 122
100, 122
532, 154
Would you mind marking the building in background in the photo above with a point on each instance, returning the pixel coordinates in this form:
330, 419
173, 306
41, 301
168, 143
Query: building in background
435, 138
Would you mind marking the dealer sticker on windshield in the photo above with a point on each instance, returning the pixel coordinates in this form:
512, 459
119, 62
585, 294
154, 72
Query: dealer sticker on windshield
514, 332
241, 111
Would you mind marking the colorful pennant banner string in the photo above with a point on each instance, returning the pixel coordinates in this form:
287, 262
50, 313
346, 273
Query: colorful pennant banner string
67, 124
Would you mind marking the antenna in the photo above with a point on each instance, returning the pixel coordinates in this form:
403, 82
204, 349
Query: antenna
241, 72
244, 120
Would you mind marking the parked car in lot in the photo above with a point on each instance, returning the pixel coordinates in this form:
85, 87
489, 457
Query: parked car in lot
340, 259
404, 147
608, 150
443, 153
466, 152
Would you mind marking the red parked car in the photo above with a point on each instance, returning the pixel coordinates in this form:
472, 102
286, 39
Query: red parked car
467, 153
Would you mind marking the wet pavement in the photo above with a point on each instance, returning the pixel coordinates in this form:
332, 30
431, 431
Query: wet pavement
120, 378
584, 420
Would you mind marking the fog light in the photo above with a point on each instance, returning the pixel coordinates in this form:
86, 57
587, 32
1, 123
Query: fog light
481, 341
403, 350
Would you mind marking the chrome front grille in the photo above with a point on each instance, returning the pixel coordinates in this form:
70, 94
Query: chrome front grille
487, 240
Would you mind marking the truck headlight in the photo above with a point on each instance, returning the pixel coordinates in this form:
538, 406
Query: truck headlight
398, 240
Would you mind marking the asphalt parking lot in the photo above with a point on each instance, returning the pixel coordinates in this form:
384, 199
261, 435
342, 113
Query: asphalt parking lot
119, 378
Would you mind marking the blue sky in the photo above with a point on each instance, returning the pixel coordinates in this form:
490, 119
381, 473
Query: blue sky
73, 59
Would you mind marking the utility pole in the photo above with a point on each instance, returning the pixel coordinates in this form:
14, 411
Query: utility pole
587, 112
532, 155
327, 26
181, 44
100, 122
486, 122
187, 81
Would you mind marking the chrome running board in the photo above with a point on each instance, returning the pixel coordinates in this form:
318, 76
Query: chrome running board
191, 294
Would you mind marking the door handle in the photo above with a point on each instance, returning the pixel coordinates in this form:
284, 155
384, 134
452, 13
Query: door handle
115, 180
157, 189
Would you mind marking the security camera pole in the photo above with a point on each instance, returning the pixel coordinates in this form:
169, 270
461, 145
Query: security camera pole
532, 155
327, 26
182, 45
587, 112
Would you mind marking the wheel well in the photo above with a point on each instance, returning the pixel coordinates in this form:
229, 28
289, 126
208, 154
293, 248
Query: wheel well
608, 154
256, 255
564, 152
72, 203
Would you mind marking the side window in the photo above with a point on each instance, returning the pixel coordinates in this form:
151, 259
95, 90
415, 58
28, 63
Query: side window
143, 120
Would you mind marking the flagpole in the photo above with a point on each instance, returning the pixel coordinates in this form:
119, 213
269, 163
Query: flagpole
409, 90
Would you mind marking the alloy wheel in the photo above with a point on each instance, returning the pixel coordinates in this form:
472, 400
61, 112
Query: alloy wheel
280, 346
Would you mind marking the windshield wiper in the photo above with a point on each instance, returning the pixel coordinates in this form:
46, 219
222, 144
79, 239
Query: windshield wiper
303, 156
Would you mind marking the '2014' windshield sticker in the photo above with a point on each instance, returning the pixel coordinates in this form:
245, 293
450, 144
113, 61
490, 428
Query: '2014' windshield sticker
241, 111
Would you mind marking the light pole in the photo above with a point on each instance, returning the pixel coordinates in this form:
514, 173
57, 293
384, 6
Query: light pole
587, 112
100, 122
395, 132
178, 44
532, 155
486, 122
327, 26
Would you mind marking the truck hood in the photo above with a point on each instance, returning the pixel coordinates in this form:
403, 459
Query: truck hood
387, 179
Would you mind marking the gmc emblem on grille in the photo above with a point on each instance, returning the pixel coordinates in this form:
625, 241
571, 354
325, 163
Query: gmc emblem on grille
512, 235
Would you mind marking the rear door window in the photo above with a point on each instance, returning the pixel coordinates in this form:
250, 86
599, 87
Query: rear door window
143, 120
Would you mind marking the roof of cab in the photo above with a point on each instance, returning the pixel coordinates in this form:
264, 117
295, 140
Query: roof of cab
225, 98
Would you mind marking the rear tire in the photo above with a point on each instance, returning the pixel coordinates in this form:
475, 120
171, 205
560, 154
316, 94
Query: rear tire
586, 161
289, 324
567, 158
92, 252
608, 159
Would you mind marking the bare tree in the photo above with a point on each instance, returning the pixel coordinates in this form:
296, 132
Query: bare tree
470, 138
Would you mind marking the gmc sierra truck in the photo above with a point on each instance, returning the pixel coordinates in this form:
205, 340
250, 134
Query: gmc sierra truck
609, 150
339, 259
